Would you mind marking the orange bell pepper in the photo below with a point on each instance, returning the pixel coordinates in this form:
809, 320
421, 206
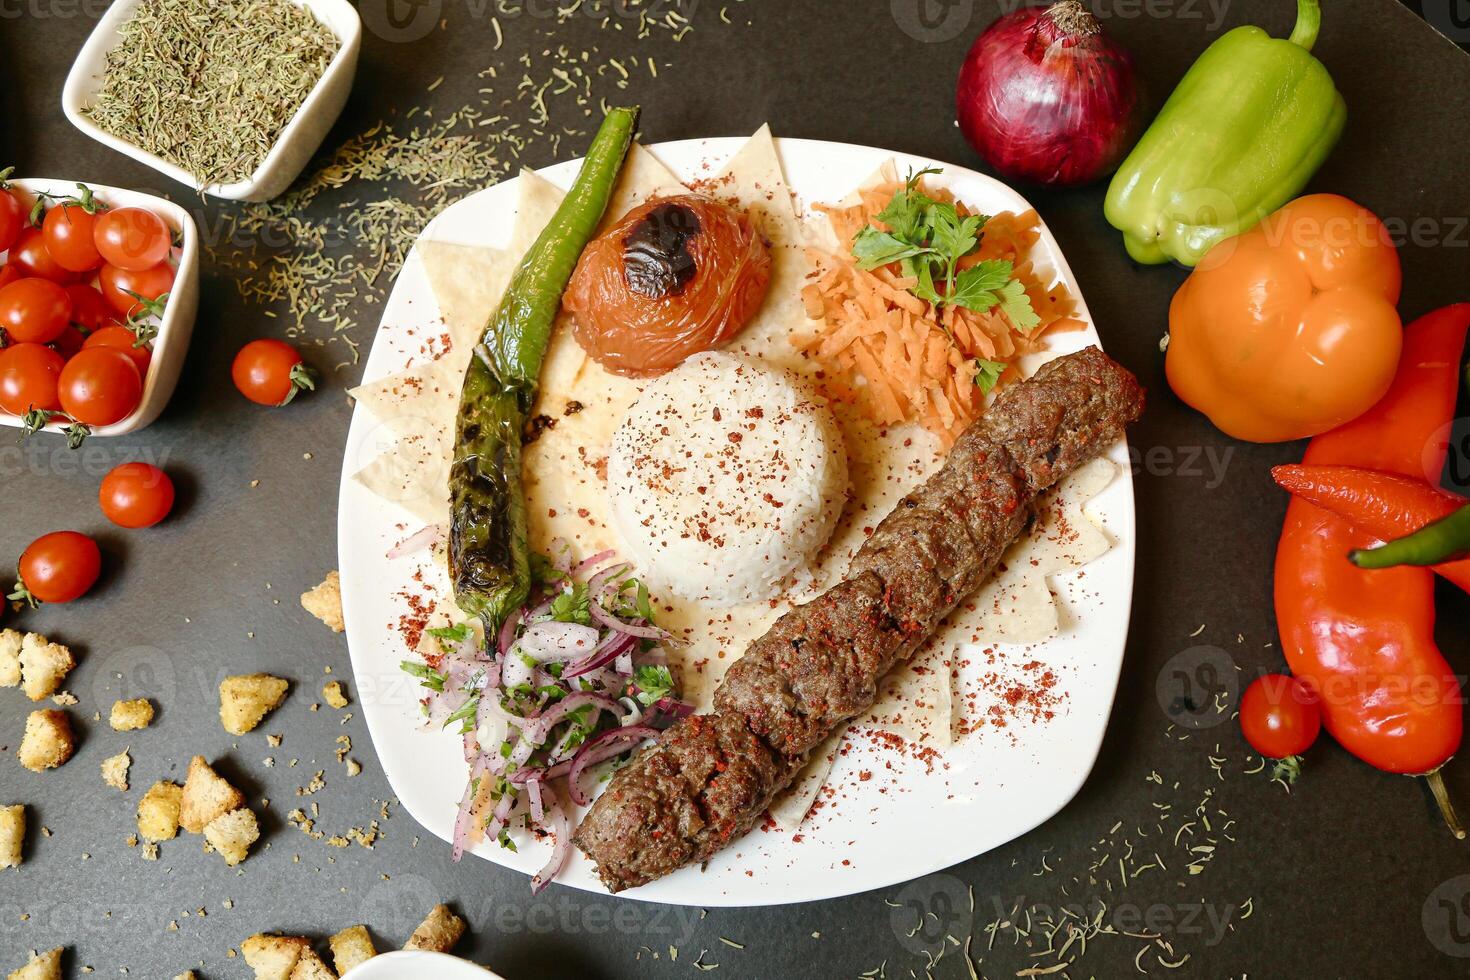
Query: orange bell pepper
1364, 640
1290, 330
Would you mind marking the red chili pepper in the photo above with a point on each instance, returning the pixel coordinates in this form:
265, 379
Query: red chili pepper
1386, 505
1364, 640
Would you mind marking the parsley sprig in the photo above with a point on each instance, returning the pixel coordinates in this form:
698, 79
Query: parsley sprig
929, 239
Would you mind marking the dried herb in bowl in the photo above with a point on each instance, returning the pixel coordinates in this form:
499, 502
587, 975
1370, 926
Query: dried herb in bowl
208, 85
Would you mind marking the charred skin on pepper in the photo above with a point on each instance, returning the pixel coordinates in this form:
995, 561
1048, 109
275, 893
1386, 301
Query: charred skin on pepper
488, 554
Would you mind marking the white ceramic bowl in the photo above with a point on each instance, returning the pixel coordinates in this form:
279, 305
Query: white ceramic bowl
406, 965
293, 148
177, 324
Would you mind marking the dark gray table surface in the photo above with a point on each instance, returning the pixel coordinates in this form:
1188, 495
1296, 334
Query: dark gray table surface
1351, 874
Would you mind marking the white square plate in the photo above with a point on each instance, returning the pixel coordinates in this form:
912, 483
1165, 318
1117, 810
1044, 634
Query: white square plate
900, 824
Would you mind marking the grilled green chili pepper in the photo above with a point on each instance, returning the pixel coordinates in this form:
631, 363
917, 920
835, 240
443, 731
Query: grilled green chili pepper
488, 557
1446, 540
1249, 124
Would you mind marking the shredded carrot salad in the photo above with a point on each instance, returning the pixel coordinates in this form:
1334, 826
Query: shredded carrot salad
898, 356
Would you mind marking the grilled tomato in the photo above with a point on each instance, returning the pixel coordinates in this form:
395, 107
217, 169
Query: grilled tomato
676, 276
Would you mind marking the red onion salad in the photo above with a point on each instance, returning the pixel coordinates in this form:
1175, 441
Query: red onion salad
575, 679
1046, 96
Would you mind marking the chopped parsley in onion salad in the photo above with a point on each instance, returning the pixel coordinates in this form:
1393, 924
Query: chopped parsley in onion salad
576, 678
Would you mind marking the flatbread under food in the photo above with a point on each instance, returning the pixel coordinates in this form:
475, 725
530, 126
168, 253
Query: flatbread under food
407, 459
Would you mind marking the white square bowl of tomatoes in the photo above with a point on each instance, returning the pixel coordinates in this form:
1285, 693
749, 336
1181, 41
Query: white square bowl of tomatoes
87, 269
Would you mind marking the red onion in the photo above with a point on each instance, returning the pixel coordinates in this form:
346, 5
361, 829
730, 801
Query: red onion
464, 820
598, 582
500, 816
489, 709
670, 710
587, 564
559, 641
507, 635
605, 654
608, 621
533, 793
1046, 96
425, 538
561, 846
520, 777
614, 741
538, 728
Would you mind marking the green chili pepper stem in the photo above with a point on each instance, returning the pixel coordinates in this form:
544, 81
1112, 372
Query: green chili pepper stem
1446, 808
1447, 539
1308, 23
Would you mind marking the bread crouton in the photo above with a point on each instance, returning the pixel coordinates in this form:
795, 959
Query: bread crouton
115, 770
273, 957
247, 698
232, 834
325, 602
48, 740
158, 811
350, 947
10, 643
311, 967
131, 715
334, 695
45, 966
43, 666
206, 796
438, 933
12, 835
190, 975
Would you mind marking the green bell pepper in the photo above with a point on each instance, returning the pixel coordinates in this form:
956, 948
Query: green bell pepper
1249, 124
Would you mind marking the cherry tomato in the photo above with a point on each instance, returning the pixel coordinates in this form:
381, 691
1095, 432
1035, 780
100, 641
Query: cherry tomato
67, 231
12, 218
100, 386
270, 372
118, 285
71, 340
9, 274
1280, 716
58, 567
90, 309
124, 340
29, 255
136, 495
134, 239
29, 374
34, 311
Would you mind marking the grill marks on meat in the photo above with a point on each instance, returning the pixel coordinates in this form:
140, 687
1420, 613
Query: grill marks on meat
819, 665
694, 793
708, 779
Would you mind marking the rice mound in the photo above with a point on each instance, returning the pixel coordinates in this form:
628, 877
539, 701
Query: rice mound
725, 477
